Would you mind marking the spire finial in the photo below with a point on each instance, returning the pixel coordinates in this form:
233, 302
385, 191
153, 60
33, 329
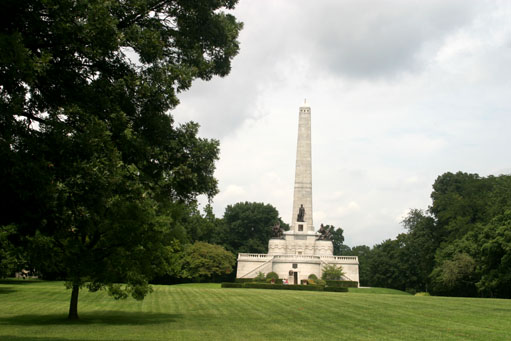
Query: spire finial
305, 101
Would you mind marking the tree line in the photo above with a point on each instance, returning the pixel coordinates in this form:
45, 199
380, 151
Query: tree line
459, 246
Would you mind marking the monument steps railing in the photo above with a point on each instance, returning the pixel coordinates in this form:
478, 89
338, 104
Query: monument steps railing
258, 267
265, 257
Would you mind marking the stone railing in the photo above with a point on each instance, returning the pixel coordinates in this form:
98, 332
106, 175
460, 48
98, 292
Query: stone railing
263, 257
296, 257
341, 258
254, 256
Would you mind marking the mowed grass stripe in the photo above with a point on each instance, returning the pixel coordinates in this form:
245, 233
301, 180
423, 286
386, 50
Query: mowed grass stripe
428, 318
190, 312
435, 310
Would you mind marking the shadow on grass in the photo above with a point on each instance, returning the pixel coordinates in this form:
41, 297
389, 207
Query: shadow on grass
104, 317
15, 281
7, 291
30, 338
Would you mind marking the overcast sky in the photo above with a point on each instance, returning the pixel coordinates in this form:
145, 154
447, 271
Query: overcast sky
400, 92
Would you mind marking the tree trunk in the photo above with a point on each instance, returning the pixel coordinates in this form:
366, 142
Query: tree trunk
73, 307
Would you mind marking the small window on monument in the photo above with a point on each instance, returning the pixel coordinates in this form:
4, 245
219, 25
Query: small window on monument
300, 227
295, 265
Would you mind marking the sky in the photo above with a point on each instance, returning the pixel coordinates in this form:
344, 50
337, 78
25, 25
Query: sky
400, 93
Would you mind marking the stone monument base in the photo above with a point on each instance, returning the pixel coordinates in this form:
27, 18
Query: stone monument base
294, 268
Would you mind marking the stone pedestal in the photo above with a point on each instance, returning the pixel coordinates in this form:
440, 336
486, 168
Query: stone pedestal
277, 247
324, 248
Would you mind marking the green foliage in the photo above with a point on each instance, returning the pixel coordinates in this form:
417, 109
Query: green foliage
342, 284
282, 286
390, 264
243, 280
203, 260
197, 226
337, 240
312, 279
336, 289
457, 272
378, 291
494, 241
472, 212
459, 201
272, 275
94, 168
422, 294
248, 227
460, 247
363, 252
232, 285
11, 258
332, 272
260, 277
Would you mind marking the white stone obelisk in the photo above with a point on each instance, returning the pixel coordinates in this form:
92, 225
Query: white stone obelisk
303, 173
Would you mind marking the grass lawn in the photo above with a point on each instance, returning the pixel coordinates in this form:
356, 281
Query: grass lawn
38, 310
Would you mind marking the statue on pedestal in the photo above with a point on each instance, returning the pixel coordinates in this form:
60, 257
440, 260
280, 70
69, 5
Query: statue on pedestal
325, 233
301, 214
277, 231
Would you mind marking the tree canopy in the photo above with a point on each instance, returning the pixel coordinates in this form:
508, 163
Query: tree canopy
201, 260
247, 226
460, 246
93, 164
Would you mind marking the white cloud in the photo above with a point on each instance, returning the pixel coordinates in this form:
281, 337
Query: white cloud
400, 91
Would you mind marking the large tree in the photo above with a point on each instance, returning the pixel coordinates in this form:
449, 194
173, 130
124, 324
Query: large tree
423, 239
363, 252
93, 165
248, 226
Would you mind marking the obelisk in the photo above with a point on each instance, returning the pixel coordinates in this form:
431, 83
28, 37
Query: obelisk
303, 174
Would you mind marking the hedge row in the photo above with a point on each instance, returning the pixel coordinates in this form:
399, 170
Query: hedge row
252, 280
260, 285
283, 287
342, 284
232, 285
336, 289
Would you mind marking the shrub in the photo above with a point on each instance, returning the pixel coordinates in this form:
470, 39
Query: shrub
232, 285
313, 277
422, 294
342, 284
260, 277
321, 282
275, 281
411, 291
272, 275
243, 280
332, 272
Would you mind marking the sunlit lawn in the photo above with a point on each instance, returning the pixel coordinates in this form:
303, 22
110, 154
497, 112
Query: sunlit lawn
37, 311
